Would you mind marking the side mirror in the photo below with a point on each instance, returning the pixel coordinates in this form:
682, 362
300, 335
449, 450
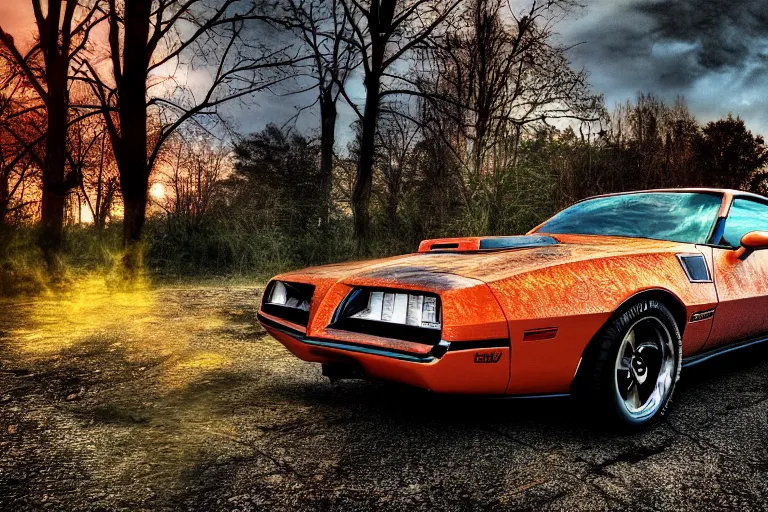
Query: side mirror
752, 241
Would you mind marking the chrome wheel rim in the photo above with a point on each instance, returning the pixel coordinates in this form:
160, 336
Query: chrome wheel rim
645, 367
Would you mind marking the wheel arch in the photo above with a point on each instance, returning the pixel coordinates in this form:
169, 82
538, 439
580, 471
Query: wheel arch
664, 296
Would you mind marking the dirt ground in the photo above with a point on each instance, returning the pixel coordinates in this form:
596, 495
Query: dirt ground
175, 399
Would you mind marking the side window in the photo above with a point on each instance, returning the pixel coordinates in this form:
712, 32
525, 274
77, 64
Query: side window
745, 216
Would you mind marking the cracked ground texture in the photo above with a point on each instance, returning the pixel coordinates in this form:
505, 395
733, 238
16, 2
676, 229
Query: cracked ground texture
173, 398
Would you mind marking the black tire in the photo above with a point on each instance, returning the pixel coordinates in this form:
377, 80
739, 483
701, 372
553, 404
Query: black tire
598, 384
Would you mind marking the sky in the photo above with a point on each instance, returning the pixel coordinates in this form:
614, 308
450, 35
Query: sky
712, 52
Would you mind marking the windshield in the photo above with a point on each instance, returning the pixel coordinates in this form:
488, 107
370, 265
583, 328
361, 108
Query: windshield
675, 216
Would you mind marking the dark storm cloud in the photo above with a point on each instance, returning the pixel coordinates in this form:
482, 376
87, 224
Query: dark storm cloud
725, 30
713, 52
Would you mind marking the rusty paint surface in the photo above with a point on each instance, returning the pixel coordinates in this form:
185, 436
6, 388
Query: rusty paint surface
575, 287
742, 287
455, 372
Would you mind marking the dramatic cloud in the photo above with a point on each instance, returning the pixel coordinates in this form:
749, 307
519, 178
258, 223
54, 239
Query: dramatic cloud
713, 52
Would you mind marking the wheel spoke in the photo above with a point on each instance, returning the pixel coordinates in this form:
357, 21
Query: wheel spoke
624, 381
646, 389
644, 366
631, 340
624, 364
653, 355
633, 397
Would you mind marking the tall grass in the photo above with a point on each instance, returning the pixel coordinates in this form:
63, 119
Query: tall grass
241, 247
22, 269
233, 248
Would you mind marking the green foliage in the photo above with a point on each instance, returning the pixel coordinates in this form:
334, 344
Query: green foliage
648, 145
281, 173
92, 249
729, 155
273, 213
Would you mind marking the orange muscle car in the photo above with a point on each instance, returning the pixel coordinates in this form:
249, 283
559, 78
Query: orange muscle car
607, 300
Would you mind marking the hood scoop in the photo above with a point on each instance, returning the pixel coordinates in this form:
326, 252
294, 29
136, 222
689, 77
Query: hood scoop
486, 243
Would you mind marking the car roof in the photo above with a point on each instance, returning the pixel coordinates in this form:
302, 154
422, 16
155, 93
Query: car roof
700, 190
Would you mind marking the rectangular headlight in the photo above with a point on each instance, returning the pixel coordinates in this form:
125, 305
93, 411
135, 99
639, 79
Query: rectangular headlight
289, 295
289, 301
413, 309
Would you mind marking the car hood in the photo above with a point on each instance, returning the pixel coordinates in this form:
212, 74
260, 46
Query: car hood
448, 270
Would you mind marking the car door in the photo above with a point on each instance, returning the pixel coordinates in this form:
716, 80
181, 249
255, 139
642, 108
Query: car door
742, 284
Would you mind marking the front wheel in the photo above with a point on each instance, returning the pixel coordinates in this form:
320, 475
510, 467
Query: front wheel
635, 366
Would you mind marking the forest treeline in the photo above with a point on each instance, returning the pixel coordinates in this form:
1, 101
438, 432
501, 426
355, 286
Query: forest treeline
421, 190
115, 144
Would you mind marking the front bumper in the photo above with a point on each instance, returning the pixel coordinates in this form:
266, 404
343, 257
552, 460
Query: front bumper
469, 367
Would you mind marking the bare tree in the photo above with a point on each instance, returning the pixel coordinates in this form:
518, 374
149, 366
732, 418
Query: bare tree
209, 37
496, 79
63, 27
101, 185
396, 137
502, 73
194, 181
92, 162
325, 34
22, 126
385, 32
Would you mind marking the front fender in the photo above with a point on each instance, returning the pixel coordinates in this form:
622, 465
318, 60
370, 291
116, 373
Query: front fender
575, 300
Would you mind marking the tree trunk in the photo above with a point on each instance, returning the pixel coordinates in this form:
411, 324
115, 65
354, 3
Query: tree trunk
327, 141
392, 204
54, 190
131, 151
361, 195
135, 208
99, 188
4, 197
105, 206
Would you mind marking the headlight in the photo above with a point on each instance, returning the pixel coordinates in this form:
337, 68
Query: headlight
289, 295
412, 309
289, 301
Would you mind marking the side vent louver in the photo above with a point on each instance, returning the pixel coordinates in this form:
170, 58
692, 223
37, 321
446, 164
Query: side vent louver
695, 267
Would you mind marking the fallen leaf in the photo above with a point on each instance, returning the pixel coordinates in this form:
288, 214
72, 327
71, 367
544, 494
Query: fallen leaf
12, 429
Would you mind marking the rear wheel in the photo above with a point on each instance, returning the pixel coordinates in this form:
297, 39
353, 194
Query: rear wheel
635, 366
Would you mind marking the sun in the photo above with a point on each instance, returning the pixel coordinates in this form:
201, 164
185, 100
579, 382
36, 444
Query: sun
157, 191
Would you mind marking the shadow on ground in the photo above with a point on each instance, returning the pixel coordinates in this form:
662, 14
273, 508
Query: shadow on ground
174, 398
